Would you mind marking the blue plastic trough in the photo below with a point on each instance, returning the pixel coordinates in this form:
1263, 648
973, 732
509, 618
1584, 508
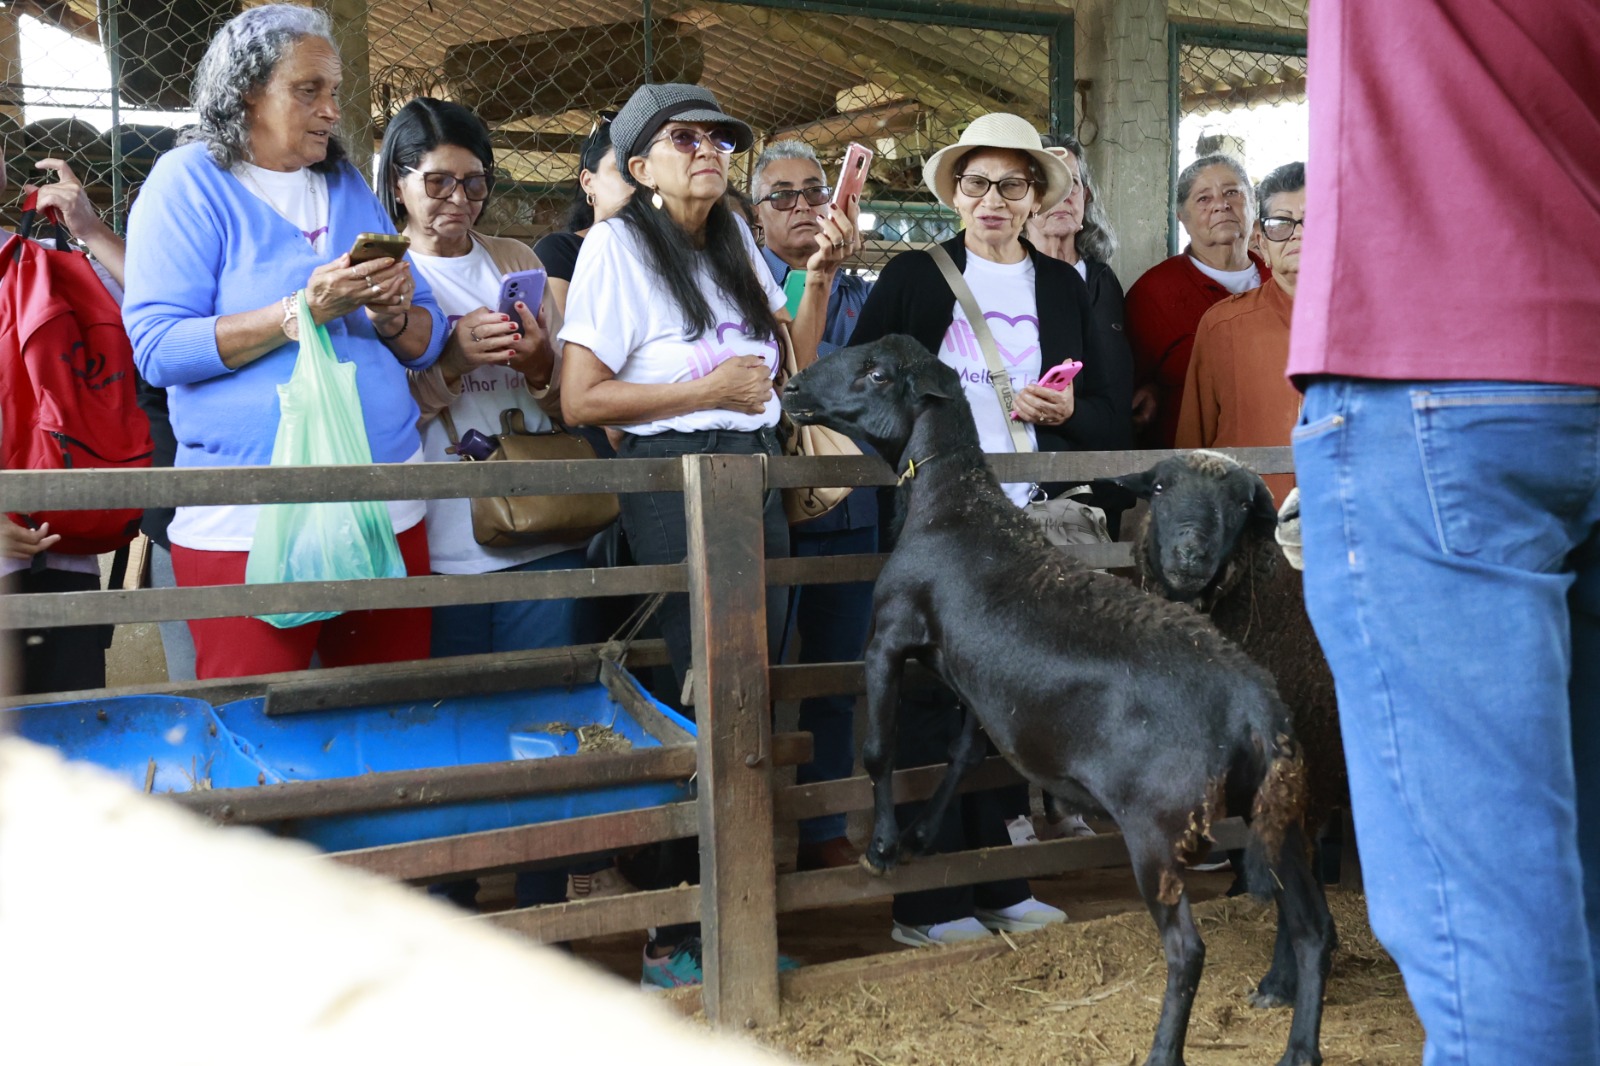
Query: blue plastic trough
191, 744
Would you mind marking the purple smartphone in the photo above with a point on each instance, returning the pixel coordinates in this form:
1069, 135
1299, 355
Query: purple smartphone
521, 286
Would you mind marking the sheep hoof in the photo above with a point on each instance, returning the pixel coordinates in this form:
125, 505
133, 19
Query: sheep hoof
875, 869
1264, 1000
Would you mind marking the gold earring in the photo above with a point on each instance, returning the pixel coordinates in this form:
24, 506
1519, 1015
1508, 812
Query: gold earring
655, 199
590, 199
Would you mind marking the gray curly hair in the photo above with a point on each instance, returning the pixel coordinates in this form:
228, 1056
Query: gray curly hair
239, 61
1191, 174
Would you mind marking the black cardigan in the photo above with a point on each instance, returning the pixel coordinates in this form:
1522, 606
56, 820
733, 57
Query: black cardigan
911, 297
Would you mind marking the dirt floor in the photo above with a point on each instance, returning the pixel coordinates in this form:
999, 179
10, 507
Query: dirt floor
1084, 993
1089, 992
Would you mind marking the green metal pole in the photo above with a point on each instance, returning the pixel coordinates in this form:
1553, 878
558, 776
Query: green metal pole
649, 42
119, 191
1063, 79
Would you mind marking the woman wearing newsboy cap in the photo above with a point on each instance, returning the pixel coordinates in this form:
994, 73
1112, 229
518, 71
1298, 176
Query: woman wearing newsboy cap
996, 177
673, 335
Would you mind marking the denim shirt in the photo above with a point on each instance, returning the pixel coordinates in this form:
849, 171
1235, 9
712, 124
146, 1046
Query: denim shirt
859, 509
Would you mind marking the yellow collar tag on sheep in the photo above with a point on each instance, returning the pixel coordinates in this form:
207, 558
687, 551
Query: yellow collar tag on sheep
911, 469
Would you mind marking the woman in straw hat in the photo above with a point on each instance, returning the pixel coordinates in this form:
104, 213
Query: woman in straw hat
996, 177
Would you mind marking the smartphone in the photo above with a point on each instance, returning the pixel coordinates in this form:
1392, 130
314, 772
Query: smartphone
526, 286
794, 290
1057, 377
370, 246
1060, 375
852, 174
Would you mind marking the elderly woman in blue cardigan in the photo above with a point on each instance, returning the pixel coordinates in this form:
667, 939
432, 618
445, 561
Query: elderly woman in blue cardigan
259, 206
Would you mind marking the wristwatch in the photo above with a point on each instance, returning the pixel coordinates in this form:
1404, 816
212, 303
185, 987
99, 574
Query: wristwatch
291, 316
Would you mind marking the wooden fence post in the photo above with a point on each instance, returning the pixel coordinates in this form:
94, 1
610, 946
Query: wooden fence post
727, 602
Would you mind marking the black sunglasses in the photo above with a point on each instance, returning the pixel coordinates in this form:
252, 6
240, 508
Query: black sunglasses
784, 199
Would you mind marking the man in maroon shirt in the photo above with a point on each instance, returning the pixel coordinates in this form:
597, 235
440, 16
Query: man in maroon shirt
1217, 209
1447, 335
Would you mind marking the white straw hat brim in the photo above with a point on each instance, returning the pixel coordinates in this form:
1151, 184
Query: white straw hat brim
997, 130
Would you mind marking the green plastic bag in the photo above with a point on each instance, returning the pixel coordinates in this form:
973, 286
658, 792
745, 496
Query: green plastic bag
320, 424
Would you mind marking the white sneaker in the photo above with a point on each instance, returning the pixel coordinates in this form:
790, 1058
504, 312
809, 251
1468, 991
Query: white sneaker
1020, 829
1024, 917
603, 882
941, 933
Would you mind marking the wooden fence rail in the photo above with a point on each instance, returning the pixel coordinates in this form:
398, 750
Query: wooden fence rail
734, 750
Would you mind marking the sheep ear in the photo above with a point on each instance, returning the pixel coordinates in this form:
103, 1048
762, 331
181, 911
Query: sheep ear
928, 386
1127, 489
1263, 510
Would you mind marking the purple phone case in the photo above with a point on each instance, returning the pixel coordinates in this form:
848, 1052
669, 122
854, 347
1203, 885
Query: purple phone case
524, 285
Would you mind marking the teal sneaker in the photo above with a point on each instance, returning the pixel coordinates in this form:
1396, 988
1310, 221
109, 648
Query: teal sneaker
682, 967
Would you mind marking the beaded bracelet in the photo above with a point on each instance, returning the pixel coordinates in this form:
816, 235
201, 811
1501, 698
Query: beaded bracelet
404, 322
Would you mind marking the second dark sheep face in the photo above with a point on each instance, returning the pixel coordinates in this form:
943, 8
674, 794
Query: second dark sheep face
871, 392
1200, 505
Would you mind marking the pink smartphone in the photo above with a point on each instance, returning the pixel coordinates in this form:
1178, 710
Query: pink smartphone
524, 286
852, 174
1060, 375
1057, 377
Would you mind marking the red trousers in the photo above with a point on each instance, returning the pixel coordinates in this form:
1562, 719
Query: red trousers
241, 647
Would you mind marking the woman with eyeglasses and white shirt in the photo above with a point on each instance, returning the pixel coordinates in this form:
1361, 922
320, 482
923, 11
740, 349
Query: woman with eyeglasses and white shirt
672, 334
436, 172
997, 177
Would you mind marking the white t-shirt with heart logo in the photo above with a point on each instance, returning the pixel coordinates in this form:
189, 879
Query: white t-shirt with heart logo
622, 311
1005, 291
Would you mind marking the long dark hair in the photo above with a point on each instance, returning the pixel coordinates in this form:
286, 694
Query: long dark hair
595, 148
670, 252
417, 129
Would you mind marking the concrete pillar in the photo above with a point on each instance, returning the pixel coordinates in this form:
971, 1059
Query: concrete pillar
355, 95
1122, 52
10, 65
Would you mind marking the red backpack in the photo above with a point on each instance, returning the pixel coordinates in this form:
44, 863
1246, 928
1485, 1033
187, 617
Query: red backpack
67, 383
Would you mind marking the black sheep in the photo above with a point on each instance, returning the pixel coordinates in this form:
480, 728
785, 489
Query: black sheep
1119, 703
1208, 541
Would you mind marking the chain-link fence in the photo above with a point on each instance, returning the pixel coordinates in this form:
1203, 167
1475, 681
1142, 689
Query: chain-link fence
1241, 92
107, 86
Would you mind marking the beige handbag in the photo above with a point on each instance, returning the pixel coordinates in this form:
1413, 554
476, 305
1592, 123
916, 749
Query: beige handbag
515, 521
1063, 520
807, 502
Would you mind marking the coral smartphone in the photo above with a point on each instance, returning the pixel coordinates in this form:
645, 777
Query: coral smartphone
1060, 375
525, 286
370, 246
852, 174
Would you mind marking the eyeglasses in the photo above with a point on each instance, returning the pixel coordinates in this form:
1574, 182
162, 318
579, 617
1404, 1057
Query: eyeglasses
977, 186
688, 141
1281, 229
440, 185
785, 199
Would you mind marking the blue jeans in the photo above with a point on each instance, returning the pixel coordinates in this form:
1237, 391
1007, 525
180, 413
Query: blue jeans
832, 622
1453, 577
520, 625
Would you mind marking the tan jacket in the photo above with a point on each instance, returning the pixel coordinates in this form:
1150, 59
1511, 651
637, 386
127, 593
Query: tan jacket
428, 386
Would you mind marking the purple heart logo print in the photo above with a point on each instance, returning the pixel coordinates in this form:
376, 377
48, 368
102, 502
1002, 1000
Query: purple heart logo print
1017, 338
706, 355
